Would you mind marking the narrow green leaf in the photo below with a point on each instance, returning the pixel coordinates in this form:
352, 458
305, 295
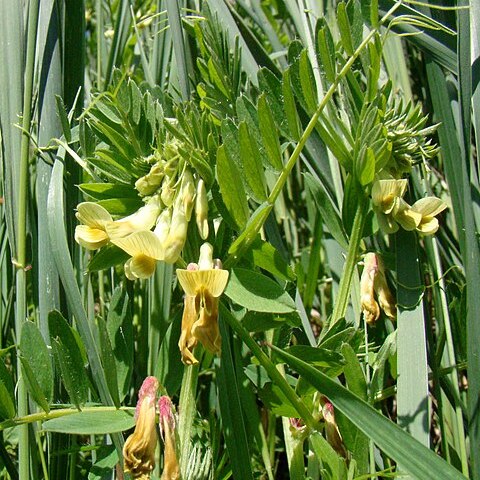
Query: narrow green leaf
231, 188
236, 438
307, 82
108, 361
62, 114
318, 357
107, 257
37, 365
290, 108
120, 332
69, 358
252, 163
417, 459
104, 191
331, 461
327, 210
326, 51
365, 166
344, 27
93, 422
269, 132
266, 256
257, 292
7, 397
106, 460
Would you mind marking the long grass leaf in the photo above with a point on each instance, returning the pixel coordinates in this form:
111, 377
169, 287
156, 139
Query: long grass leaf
459, 184
412, 383
233, 420
180, 47
418, 460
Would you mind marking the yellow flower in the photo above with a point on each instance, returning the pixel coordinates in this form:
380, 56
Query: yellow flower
428, 208
92, 234
145, 248
385, 196
171, 468
99, 228
385, 193
405, 215
203, 284
139, 449
373, 281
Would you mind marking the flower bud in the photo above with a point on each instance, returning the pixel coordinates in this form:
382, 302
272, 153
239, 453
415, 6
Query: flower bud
171, 468
334, 438
176, 237
150, 183
201, 210
187, 192
168, 191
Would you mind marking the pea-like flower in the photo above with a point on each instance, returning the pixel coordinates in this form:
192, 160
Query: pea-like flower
98, 227
385, 195
139, 449
428, 208
171, 468
373, 281
203, 284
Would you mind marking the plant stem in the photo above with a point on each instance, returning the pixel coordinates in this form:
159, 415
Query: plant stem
254, 227
351, 262
21, 257
271, 369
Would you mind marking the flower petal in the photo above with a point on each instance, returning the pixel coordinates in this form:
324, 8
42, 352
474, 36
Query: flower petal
90, 238
93, 215
143, 219
428, 225
429, 206
384, 193
146, 243
192, 281
408, 218
142, 266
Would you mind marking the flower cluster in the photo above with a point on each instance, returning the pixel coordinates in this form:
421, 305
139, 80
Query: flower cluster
203, 284
392, 210
139, 448
171, 193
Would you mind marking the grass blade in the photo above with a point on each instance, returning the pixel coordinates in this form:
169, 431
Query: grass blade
418, 460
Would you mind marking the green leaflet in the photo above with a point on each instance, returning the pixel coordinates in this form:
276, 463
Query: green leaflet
231, 188
37, 365
257, 292
92, 422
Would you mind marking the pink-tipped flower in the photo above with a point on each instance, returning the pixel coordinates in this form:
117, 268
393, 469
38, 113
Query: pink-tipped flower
171, 469
334, 438
139, 449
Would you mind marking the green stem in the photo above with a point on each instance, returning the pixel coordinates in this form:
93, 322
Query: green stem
350, 263
21, 257
267, 207
187, 410
271, 369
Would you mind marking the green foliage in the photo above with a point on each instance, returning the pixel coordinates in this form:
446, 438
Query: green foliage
235, 165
